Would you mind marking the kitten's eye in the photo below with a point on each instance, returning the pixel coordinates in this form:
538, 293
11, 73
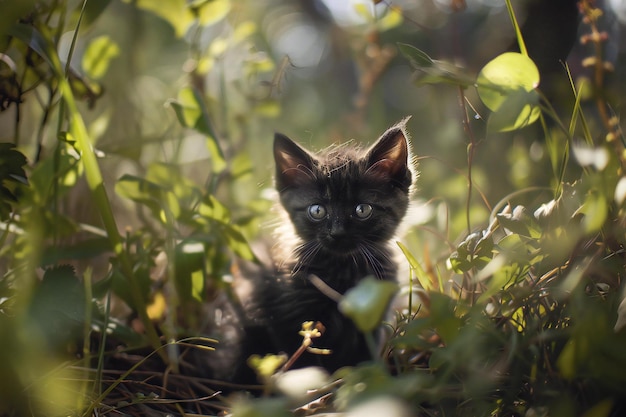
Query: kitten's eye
317, 211
363, 211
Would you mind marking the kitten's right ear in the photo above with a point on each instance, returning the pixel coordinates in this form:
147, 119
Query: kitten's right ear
293, 164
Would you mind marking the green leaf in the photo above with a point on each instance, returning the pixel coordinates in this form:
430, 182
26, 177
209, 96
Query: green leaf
474, 252
595, 208
429, 71
175, 12
65, 171
366, 303
519, 109
210, 11
364, 11
238, 243
507, 86
504, 74
520, 222
417, 58
420, 274
211, 208
393, 18
444, 318
98, 56
244, 30
268, 108
138, 189
11, 173
93, 10
190, 270
218, 163
58, 306
35, 41
192, 112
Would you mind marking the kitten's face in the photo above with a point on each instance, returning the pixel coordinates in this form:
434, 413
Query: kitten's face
345, 199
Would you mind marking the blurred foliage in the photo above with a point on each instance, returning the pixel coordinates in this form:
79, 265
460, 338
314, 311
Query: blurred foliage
135, 165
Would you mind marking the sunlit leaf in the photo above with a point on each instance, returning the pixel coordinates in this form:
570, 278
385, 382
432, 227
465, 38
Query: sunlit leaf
98, 56
238, 243
193, 113
568, 360
268, 108
602, 409
141, 191
205, 64
518, 109
366, 303
218, 47
190, 270
507, 87
420, 274
45, 173
260, 63
365, 11
211, 11
212, 209
595, 208
175, 12
170, 202
267, 365
244, 30
218, 163
505, 74
157, 308
393, 18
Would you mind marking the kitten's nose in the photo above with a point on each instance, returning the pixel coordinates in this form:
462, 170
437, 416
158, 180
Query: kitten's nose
337, 229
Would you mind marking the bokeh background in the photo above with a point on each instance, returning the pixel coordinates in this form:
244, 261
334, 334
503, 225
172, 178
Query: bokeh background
321, 72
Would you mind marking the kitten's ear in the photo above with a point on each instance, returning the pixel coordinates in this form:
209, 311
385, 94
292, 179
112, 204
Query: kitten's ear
389, 156
293, 164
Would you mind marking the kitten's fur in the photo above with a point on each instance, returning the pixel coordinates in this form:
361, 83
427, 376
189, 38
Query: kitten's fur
345, 205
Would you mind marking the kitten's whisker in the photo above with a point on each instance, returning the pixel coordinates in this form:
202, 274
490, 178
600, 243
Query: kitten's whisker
371, 259
305, 253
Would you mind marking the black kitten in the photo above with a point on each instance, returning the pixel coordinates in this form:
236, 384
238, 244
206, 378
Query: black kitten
345, 205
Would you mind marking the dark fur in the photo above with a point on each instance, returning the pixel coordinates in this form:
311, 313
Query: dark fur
341, 248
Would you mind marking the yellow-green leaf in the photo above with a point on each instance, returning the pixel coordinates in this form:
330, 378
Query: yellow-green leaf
268, 108
98, 56
391, 19
507, 87
244, 30
212, 11
366, 303
175, 12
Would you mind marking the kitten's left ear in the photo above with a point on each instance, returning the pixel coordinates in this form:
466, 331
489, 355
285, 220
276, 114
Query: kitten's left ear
293, 164
389, 156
